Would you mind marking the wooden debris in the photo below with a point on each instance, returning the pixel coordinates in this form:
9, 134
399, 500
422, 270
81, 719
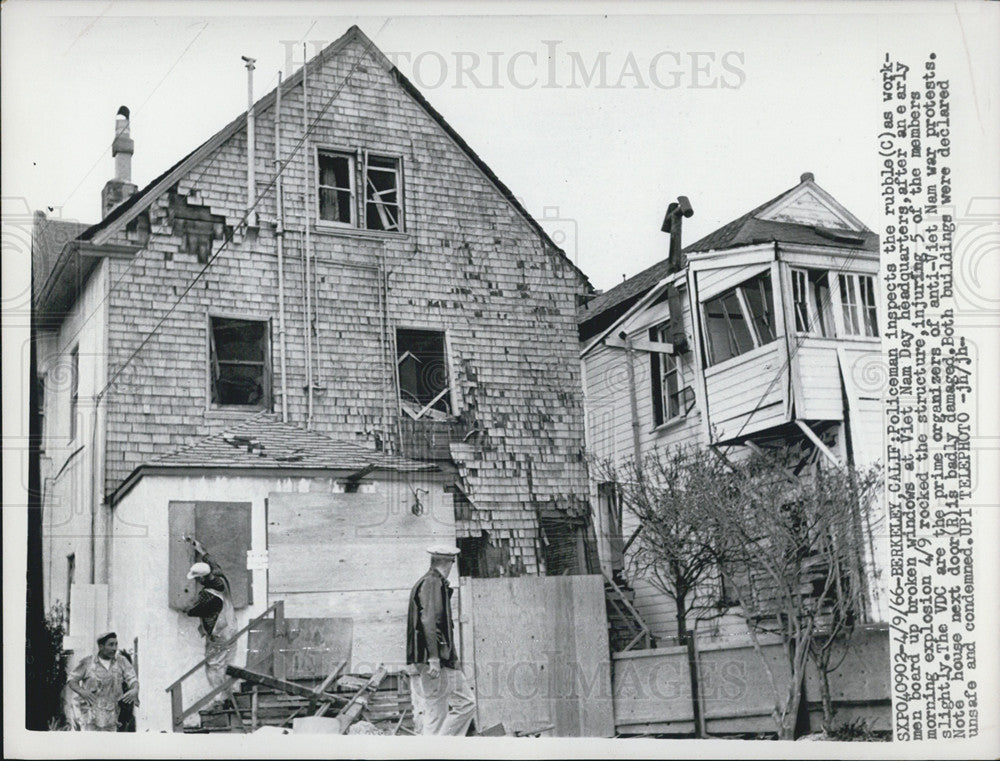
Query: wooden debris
278, 684
350, 712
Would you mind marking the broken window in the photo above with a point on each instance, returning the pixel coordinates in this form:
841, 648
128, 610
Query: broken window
239, 360
562, 544
422, 362
671, 397
811, 302
74, 391
858, 306
740, 319
336, 188
383, 210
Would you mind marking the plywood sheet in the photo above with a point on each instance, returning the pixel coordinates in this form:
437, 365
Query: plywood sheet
355, 556
224, 529
540, 650
182, 591
315, 645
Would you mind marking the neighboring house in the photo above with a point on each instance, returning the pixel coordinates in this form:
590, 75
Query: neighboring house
764, 332
399, 306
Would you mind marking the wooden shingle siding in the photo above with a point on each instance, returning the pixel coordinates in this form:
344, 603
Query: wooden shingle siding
468, 264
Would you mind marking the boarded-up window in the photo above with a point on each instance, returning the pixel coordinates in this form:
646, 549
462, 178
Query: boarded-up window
239, 359
423, 371
224, 530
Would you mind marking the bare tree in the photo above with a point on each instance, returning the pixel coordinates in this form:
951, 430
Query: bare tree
790, 546
674, 495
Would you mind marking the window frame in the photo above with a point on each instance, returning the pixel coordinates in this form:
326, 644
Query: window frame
363, 197
819, 316
351, 157
863, 322
267, 370
358, 163
450, 393
662, 366
747, 314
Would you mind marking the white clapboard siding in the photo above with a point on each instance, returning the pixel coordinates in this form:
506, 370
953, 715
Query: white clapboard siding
742, 386
816, 375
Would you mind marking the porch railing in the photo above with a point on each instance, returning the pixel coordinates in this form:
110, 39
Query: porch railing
177, 710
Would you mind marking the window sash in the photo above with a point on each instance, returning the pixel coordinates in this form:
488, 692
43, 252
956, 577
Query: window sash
336, 194
800, 300
858, 305
869, 310
740, 319
238, 371
383, 207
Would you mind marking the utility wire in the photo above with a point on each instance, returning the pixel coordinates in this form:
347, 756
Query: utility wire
229, 237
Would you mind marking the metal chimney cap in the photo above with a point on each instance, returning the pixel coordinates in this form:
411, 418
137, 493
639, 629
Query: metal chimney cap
807, 177
123, 111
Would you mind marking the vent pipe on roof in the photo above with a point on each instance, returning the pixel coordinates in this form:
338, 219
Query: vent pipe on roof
676, 212
251, 145
120, 188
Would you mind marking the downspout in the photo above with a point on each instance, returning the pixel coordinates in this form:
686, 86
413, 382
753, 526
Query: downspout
93, 492
307, 242
251, 143
279, 233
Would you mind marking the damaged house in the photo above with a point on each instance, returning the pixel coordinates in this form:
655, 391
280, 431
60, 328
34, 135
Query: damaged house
333, 343
764, 332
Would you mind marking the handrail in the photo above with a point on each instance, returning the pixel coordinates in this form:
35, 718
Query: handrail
644, 630
230, 641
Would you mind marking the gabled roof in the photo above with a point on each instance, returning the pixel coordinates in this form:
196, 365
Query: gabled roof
128, 210
48, 238
767, 223
264, 442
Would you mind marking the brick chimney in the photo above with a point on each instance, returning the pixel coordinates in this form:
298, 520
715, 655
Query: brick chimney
121, 188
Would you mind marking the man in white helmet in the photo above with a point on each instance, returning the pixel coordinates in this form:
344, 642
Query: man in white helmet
215, 609
443, 702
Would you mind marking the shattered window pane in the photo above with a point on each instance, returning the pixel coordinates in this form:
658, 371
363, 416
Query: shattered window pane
239, 362
423, 370
729, 317
382, 207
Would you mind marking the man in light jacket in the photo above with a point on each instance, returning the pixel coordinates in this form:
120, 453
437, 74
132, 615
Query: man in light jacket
443, 702
214, 607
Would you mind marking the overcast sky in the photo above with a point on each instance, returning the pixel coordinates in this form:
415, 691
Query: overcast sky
595, 122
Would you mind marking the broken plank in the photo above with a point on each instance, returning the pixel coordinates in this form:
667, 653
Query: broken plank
278, 684
332, 675
350, 712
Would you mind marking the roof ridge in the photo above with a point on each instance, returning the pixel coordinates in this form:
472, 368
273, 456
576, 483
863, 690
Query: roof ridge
267, 100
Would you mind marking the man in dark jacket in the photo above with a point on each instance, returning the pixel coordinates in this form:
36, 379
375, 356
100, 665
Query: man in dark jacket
443, 703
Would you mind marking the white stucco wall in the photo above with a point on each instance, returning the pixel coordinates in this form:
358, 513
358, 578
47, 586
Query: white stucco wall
169, 643
69, 465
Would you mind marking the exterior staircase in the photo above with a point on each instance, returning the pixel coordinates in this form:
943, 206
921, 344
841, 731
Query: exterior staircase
626, 629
